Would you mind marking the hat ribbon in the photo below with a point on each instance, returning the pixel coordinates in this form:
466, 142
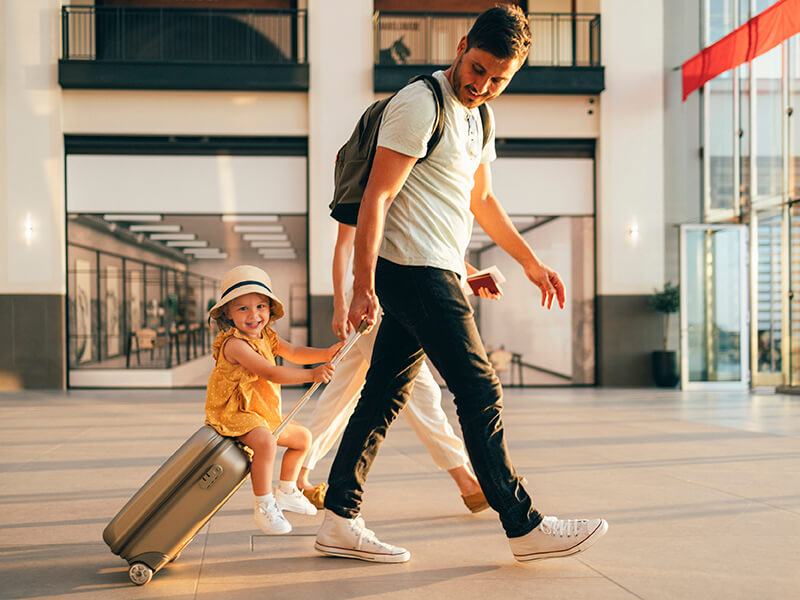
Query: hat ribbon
241, 283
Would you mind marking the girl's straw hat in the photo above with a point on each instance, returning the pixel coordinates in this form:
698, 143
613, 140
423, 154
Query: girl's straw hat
245, 279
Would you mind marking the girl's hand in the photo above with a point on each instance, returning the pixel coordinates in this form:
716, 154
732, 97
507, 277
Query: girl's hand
334, 349
322, 373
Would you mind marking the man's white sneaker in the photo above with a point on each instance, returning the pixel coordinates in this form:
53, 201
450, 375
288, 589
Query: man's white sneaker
349, 538
294, 502
554, 538
270, 519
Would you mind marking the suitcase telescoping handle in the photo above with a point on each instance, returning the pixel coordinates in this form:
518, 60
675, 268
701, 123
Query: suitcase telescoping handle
349, 343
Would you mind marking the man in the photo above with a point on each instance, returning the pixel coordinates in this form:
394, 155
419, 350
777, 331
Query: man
414, 225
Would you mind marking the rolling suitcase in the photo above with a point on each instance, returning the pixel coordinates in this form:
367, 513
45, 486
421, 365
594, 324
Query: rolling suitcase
156, 524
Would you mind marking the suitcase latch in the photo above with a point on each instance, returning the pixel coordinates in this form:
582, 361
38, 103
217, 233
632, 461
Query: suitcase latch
210, 476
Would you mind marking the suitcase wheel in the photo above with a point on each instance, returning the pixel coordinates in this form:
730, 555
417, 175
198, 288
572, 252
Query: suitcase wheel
140, 573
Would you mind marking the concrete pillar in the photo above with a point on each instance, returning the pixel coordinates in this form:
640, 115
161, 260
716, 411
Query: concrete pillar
341, 63
32, 250
630, 198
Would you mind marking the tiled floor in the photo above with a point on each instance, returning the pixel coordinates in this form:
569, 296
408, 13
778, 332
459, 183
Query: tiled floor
701, 491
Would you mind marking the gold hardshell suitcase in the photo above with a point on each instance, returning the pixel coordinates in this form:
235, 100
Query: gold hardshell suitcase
174, 504
168, 511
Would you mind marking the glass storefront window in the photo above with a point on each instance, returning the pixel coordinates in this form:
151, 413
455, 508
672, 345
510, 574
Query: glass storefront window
744, 12
794, 117
111, 306
719, 20
711, 285
768, 112
135, 294
769, 315
118, 310
744, 138
762, 5
82, 306
794, 302
154, 309
567, 244
720, 143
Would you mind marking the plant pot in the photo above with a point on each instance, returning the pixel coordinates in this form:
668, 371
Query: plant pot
665, 368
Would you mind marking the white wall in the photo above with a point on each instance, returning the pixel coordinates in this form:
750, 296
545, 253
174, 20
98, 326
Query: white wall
340, 61
545, 186
631, 149
190, 184
582, 6
145, 112
543, 116
3, 144
32, 157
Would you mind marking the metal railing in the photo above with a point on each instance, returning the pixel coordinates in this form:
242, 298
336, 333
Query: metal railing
559, 39
183, 35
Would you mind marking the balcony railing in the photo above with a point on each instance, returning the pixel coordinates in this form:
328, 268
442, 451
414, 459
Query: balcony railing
559, 39
149, 43
564, 56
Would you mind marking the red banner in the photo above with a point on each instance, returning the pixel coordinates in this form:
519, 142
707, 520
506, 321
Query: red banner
759, 35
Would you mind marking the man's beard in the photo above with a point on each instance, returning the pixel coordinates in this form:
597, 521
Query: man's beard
457, 87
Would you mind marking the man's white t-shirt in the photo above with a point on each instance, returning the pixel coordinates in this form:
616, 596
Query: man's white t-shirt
429, 222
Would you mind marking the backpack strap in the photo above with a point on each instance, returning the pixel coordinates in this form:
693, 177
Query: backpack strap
486, 121
438, 100
438, 126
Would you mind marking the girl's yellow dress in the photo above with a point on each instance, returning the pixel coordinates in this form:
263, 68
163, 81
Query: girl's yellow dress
237, 401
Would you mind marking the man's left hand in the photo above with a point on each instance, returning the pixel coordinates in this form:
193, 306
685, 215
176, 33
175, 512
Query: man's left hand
549, 282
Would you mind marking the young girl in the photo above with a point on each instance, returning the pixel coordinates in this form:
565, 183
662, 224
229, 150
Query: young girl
244, 398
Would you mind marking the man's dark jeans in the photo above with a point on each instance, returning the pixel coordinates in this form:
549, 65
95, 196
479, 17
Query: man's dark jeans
425, 312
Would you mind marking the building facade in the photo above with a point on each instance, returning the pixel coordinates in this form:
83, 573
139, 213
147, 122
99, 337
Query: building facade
149, 146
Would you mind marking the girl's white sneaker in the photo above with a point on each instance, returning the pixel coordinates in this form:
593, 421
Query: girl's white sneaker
294, 502
270, 519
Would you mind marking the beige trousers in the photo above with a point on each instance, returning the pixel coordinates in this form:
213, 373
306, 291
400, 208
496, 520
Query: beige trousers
423, 412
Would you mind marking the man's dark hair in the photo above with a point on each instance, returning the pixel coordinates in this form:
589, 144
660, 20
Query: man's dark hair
501, 31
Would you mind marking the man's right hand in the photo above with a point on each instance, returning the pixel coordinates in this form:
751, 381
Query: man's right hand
364, 306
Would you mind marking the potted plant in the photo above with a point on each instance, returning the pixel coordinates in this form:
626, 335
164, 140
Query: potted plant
665, 362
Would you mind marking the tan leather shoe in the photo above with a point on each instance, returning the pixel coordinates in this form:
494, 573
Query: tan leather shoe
316, 495
475, 502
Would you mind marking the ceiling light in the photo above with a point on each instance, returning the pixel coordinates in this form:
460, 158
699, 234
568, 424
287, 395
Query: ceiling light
276, 250
258, 228
173, 236
194, 244
220, 256
249, 218
164, 228
272, 244
276, 253
252, 237
132, 217
202, 250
